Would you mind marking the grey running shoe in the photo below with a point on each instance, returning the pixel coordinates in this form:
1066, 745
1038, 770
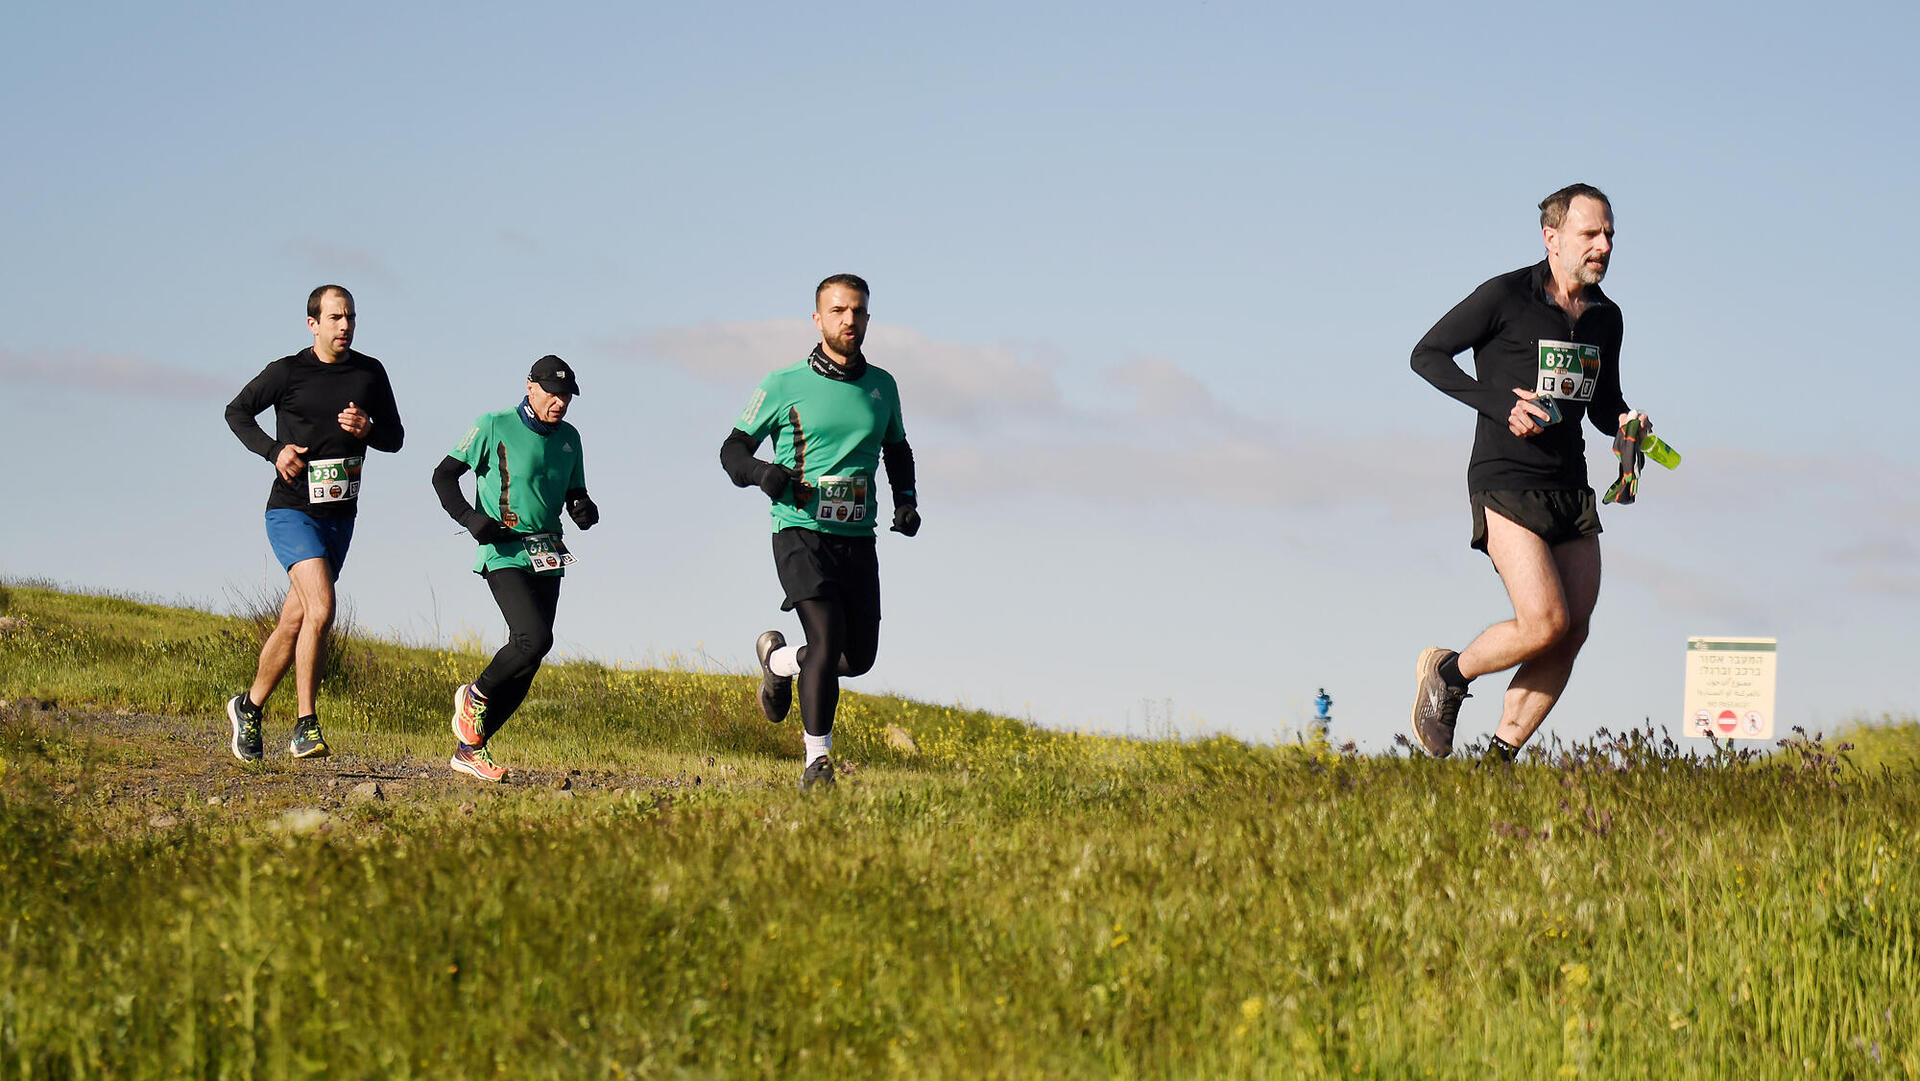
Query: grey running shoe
308, 742
776, 692
246, 718
1436, 706
818, 774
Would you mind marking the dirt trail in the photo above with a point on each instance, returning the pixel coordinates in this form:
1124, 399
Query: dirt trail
135, 765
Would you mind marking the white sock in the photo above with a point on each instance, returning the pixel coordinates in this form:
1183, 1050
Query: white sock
785, 661
818, 745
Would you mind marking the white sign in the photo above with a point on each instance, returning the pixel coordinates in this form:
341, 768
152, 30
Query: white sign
1730, 684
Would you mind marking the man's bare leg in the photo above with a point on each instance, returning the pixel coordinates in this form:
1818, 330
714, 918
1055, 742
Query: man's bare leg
313, 580
1536, 686
295, 639
276, 653
1553, 591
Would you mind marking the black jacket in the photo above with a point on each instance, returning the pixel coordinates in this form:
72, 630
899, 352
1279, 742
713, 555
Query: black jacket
306, 397
1505, 322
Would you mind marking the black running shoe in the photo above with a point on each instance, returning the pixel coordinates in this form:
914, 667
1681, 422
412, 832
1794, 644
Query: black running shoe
246, 718
776, 692
818, 774
1436, 706
308, 742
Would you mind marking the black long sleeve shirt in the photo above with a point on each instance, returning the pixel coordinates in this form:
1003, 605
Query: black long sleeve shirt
1521, 338
306, 397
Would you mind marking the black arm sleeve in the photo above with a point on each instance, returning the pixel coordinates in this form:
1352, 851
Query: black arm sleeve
899, 461
736, 457
387, 433
1470, 324
1603, 412
446, 485
254, 399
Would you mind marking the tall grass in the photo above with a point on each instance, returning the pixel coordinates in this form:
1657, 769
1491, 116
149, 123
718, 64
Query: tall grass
1006, 902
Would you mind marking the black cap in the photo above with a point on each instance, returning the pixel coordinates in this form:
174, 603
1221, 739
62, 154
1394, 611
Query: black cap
554, 375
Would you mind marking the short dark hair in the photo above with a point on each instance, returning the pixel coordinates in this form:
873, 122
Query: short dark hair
851, 281
320, 293
1553, 209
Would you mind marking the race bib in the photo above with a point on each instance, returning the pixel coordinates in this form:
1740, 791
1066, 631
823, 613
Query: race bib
1568, 371
333, 480
548, 553
841, 499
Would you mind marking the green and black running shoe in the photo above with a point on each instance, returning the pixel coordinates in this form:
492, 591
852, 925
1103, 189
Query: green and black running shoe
308, 741
246, 718
818, 774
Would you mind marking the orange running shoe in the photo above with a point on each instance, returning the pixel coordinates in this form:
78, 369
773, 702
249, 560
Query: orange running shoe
469, 716
476, 762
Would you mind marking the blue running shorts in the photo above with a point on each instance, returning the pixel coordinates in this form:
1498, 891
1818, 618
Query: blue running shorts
296, 535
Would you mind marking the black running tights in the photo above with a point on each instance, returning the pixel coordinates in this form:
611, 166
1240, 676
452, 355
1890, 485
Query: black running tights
529, 602
836, 646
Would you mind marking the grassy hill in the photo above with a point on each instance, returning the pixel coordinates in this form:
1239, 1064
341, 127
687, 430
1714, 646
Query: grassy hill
978, 898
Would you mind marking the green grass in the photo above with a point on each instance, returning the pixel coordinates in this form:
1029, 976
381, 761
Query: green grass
1006, 902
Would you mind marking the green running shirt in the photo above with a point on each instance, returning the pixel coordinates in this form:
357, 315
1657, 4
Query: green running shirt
831, 433
535, 471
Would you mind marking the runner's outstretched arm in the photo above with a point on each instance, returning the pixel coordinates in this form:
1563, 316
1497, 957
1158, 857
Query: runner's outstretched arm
1608, 404
906, 501
746, 471
254, 399
386, 433
446, 485
898, 458
1469, 324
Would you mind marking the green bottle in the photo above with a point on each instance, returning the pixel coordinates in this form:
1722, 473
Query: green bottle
1652, 447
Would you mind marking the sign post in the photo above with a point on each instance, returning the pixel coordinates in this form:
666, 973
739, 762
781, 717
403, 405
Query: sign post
1730, 684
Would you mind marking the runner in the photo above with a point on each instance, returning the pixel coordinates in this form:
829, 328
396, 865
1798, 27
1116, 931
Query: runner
833, 418
329, 404
527, 465
1546, 351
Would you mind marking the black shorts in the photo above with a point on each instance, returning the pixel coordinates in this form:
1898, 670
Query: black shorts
1555, 515
812, 564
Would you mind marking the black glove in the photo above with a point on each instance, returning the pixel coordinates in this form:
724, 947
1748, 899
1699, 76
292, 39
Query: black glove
775, 479
487, 530
581, 509
906, 519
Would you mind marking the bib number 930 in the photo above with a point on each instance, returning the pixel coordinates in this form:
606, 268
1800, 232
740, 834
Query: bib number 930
333, 480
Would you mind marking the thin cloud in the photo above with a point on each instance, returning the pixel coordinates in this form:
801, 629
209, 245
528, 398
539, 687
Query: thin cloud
1297, 471
1882, 582
1166, 390
1689, 590
523, 243
948, 380
338, 264
121, 373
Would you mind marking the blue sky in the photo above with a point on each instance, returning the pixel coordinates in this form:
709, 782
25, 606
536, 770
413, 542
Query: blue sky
1148, 277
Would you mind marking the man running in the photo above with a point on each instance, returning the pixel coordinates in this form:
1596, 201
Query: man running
527, 466
329, 404
1546, 351
833, 418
